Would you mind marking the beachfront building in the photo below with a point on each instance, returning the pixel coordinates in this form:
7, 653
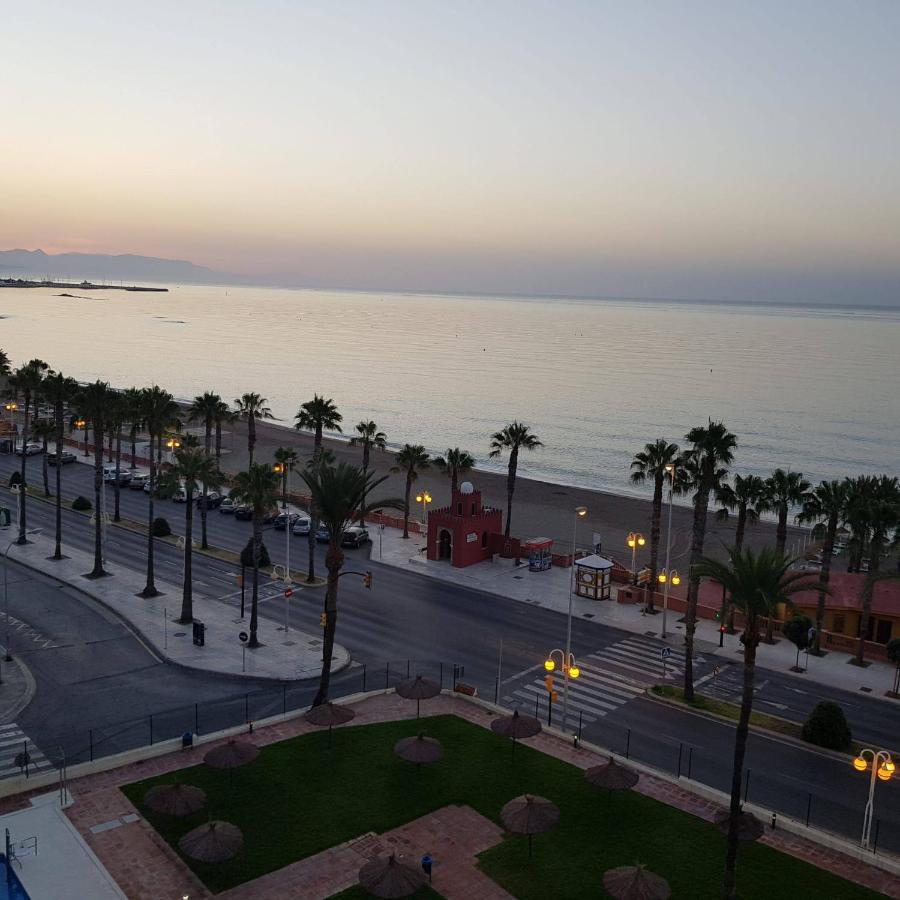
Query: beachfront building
461, 532
592, 577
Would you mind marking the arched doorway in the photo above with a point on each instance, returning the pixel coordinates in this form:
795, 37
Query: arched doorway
445, 544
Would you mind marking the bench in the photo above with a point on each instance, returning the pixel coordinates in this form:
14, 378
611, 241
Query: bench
467, 689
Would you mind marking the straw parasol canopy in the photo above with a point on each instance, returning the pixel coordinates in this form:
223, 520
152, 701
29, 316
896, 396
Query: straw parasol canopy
327, 715
175, 799
635, 883
419, 749
529, 814
213, 842
611, 777
387, 876
516, 726
231, 755
418, 689
749, 827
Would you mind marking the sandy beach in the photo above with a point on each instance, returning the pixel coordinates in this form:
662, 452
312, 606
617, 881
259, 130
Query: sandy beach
539, 508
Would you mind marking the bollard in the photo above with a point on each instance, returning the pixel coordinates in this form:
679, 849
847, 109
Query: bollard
427, 863
496, 691
536, 706
690, 760
151, 730
387, 675
747, 786
284, 699
627, 743
246, 708
364, 677
774, 820
580, 716
196, 718
808, 808
680, 748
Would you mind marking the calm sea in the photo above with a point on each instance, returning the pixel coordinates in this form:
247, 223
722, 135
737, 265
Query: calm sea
811, 388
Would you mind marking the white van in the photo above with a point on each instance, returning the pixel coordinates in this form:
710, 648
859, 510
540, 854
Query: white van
109, 475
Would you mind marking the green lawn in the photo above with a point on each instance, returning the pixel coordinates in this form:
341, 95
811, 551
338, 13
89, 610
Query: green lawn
299, 798
357, 893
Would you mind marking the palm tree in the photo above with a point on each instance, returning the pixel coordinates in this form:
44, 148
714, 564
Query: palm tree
712, 451
43, 430
92, 403
784, 490
338, 493
192, 467
650, 463
257, 488
514, 437
116, 417
159, 411
133, 400
825, 505
287, 458
4, 363
316, 415
205, 408
860, 492
757, 584
412, 459
746, 498
222, 415
455, 462
883, 515
27, 379
252, 407
367, 436
59, 391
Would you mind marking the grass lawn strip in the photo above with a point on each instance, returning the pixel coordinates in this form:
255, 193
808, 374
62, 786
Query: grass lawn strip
357, 893
299, 798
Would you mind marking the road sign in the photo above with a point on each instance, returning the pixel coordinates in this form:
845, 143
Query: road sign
288, 592
243, 637
665, 653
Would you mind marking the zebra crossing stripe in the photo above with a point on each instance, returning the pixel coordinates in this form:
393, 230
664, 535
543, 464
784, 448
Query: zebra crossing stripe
577, 696
598, 680
635, 663
650, 659
528, 698
12, 742
653, 648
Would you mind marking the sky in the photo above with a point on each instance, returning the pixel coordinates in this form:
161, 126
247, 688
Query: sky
705, 149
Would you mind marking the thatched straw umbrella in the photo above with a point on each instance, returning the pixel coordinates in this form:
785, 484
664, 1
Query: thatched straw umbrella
516, 726
231, 755
611, 777
419, 749
213, 842
327, 715
175, 799
418, 689
529, 815
387, 876
749, 827
635, 883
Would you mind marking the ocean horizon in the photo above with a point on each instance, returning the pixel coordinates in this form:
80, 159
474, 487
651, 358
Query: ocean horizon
813, 388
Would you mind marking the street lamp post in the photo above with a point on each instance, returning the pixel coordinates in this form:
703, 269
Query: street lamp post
665, 579
570, 670
173, 444
11, 408
580, 513
882, 767
635, 540
282, 470
670, 471
81, 424
424, 498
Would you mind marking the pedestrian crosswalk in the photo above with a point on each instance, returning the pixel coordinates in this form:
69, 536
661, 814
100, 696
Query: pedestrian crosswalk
14, 744
609, 678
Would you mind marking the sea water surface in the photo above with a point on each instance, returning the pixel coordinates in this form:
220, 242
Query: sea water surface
814, 389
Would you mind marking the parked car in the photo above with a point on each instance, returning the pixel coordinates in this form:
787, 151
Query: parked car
180, 495
302, 525
67, 457
213, 499
354, 536
323, 534
244, 513
30, 449
139, 481
227, 506
285, 519
109, 475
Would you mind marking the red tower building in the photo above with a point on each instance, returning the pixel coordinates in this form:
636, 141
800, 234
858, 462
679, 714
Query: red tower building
461, 531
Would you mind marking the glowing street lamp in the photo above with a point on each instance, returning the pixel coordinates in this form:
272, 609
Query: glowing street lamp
580, 513
82, 424
424, 498
670, 471
883, 768
635, 540
569, 670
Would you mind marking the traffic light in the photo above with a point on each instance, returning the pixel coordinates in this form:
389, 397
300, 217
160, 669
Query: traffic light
323, 619
367, 581
548, 683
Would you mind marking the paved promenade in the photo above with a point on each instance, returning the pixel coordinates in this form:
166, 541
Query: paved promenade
285, 657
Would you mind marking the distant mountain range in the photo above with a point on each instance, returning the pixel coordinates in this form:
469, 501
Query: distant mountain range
101, 267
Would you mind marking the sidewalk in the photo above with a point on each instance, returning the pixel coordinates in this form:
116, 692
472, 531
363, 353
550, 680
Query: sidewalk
290, 657
551, 590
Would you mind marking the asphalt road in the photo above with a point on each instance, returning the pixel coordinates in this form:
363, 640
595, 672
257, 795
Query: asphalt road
101, 675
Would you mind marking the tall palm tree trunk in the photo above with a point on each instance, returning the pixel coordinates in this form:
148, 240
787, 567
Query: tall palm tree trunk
218, 440
781, 532
207, 445
117, 488
333, 562
406, 503
57, 551
150, 586
97, 571
23, 493
738, 544
827, 555
313, 516
365, 468
698, 536
251, 435
109, 445
655, 516
45, 466
187, 594
510, 487
133, 437
253, 643
867, 594
737, 772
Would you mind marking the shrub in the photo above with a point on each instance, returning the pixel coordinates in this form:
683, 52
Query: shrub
15, 478
81, 503
247, 555
827, 727
161, 527
800, 632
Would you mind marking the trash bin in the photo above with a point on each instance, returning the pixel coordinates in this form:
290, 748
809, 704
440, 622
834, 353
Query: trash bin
187, 740
199, 634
